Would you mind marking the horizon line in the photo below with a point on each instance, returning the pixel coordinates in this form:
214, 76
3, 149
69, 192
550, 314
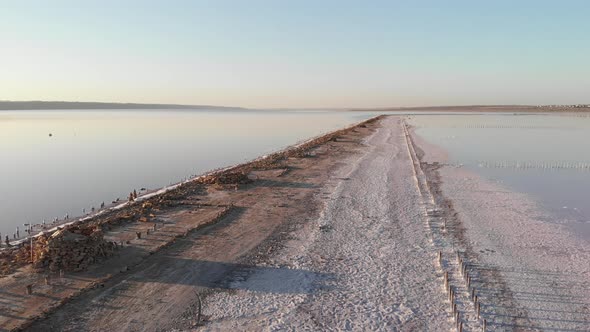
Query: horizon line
46, 104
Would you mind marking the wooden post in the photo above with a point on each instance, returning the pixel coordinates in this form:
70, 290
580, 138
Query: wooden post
29, 289
155, 227
478, 310
484, 325
473, 294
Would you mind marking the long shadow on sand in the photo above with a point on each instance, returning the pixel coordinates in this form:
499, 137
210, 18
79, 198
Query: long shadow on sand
221, 275
554, 301
285, 184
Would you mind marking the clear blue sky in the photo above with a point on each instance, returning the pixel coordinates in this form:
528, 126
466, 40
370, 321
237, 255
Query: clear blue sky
297, 53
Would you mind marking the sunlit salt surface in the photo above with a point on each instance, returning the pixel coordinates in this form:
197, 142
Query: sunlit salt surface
55, 163
544, 155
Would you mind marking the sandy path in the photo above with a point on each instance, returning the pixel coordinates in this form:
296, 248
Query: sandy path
156, 294
368, 259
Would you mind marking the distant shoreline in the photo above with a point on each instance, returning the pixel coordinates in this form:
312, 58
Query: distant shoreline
484, 108
67, 105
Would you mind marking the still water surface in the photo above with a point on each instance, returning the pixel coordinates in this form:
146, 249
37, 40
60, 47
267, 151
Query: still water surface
545, 155
95, 156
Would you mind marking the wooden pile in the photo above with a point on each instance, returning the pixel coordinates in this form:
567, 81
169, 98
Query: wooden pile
228, 178
7, 263
70, 249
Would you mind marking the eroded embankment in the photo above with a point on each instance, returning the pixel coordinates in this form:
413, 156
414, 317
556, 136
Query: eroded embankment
527, 274
206, 224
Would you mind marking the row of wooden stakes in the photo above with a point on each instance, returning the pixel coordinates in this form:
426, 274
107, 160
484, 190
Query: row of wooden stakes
451, 293
29, 287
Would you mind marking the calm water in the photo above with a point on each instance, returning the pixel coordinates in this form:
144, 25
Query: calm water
546, 156
96, 156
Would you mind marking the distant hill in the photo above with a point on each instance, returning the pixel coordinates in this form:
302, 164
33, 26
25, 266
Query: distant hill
461, 108
486, 108
67, 105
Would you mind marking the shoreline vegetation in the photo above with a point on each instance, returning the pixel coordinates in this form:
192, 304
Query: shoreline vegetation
66, 105
84, 246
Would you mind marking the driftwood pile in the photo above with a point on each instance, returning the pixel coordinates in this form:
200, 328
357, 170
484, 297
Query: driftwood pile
228, 178
72, 248
7, 263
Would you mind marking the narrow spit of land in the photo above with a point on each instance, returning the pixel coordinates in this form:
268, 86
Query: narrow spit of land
358, 233
334, 239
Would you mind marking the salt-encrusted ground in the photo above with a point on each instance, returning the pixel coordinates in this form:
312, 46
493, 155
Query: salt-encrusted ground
368, 262
533, 274
545, 268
